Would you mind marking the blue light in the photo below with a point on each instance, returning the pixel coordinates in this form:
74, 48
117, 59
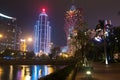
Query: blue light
98, 39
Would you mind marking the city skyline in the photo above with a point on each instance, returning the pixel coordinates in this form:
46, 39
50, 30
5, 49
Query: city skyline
26, 14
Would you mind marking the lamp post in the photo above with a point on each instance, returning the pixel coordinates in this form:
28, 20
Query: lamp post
105, 51
102, 24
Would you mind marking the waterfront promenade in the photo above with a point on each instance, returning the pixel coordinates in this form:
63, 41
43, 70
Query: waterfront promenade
102, 72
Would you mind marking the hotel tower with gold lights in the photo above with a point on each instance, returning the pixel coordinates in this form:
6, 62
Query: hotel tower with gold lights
42, 34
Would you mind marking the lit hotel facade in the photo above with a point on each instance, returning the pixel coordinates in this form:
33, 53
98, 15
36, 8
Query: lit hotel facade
42, 34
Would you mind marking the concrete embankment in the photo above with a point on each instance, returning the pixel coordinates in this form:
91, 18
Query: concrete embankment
60, 74
35, 62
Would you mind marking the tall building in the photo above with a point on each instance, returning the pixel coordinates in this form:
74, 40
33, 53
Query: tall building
10, 33
73, 17
42, 34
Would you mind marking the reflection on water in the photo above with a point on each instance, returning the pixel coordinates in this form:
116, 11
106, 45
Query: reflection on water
24, 72
11, 72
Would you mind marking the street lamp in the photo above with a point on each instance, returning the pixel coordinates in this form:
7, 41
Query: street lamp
102, 24
105, 51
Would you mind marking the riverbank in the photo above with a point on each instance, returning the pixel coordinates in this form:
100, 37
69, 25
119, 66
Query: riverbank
60, 74
35, 62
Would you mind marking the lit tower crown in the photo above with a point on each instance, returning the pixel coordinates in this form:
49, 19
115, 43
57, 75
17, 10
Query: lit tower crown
42, 31
70, 20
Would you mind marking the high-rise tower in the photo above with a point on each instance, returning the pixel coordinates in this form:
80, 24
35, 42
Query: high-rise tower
42, 34
73, 17
11, 33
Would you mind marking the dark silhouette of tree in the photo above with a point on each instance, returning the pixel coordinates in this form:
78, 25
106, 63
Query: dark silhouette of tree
54, 52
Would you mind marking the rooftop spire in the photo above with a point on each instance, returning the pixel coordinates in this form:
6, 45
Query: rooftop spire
73, 6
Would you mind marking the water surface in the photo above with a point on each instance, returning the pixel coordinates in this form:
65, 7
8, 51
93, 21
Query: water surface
25, 72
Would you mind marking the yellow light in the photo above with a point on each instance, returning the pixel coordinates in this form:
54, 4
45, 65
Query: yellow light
50, 69
1, 35
29, 39
23, 45
88, 72
1, 71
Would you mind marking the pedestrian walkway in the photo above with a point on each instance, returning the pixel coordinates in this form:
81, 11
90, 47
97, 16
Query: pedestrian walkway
102, 72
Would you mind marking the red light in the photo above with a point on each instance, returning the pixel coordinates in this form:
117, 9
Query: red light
43, 10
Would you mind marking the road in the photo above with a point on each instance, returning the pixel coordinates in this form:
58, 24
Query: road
102, 72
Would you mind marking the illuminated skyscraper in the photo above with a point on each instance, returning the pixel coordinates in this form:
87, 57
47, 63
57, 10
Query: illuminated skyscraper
72, 18
11, 33
42, 33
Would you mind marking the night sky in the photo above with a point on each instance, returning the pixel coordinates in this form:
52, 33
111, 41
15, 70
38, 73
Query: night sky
27, 11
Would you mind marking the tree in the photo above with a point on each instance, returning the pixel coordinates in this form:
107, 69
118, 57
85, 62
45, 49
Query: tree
54, 52
80, 39
116, 32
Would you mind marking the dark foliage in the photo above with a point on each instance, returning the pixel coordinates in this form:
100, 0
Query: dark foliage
60, 74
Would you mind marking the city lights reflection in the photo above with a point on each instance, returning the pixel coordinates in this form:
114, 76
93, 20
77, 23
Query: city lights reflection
1, 72
11, 72
25, 72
